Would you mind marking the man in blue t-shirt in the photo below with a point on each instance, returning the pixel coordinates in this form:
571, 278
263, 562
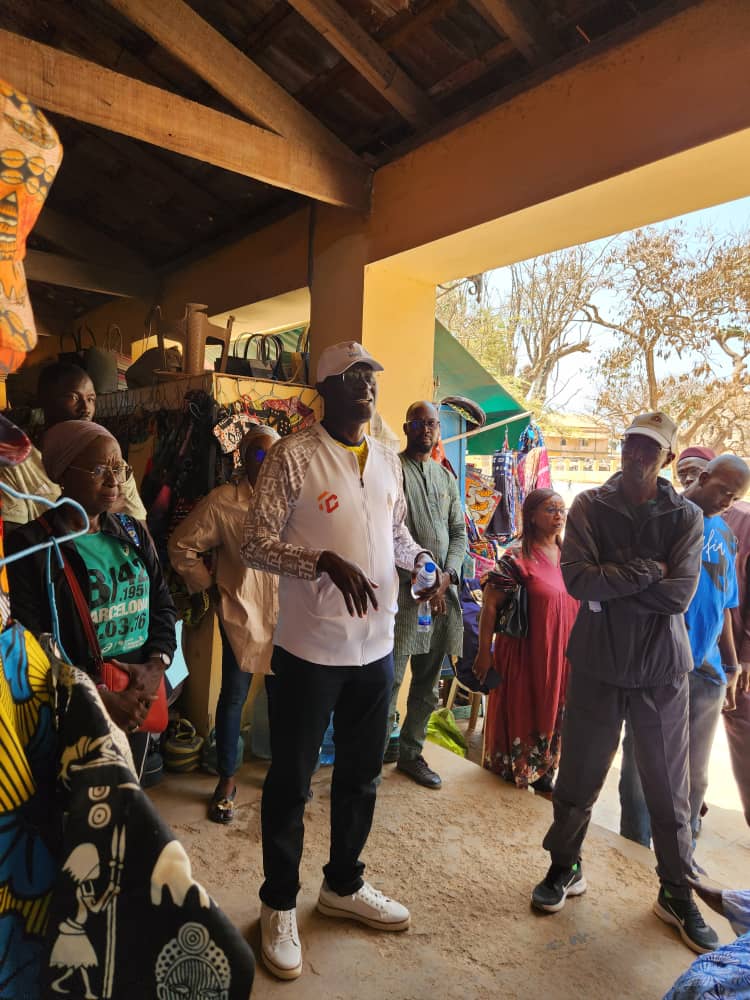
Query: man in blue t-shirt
709, 624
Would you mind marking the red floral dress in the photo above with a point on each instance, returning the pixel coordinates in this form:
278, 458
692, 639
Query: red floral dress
524, 713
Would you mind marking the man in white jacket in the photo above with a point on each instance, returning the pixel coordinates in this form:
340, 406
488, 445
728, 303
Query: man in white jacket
328, 517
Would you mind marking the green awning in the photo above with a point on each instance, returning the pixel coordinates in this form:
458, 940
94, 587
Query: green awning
461, 375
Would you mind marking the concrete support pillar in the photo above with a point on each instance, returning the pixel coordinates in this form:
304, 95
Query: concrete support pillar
380, 305
398, 328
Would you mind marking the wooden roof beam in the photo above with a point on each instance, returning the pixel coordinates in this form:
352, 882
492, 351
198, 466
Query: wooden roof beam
88, 276
78, 238
205, 51
82, 90
524, 26
369, 58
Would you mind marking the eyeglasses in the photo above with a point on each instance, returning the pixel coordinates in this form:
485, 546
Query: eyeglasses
419, 425
555, 510
356, 376
120, 473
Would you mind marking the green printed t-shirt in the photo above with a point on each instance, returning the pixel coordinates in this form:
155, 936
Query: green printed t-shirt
119, 586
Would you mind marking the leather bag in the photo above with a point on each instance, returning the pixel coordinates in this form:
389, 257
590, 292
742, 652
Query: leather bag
513, 616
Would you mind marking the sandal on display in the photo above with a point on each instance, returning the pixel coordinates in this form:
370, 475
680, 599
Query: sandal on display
221, 809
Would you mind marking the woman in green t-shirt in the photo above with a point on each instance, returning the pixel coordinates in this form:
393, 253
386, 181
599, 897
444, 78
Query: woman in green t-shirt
116, 567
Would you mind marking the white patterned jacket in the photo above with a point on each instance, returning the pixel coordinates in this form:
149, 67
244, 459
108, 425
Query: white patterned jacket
309, 498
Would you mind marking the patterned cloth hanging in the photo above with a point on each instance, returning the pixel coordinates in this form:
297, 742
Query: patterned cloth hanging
30, 155
531, 437
504, 522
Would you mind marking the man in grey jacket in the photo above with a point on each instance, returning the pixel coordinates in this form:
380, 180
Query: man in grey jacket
632, 556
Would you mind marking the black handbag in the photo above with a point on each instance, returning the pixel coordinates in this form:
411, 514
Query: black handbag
513, 616
265, 362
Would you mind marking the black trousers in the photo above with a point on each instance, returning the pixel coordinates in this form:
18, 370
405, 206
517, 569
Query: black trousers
658, 720
304, 696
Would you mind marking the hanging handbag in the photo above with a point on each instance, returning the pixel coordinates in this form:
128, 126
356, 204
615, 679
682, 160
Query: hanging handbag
114, 344
237, 363
99, 363
295, 365
513, 617
268, 351
112, 675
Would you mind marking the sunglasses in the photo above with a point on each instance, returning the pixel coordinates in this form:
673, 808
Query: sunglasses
354, 376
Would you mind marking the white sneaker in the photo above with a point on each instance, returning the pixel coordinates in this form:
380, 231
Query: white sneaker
367, 905
280, 947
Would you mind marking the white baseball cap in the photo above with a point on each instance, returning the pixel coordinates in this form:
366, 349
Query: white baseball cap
340, 357
656, 426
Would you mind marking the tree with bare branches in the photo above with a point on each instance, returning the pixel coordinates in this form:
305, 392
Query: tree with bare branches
523, 336
680, 318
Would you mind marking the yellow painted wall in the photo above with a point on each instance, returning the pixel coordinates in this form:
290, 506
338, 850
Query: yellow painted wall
398, 328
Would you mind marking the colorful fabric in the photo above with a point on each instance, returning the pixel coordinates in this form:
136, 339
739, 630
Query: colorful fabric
29, 831
533, 471
717, 591
723, 974
530, 437
126, 919
119, 592
30, 154
481, 499
524, 714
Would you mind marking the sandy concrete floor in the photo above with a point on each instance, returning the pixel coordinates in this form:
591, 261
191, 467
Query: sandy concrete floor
464, 859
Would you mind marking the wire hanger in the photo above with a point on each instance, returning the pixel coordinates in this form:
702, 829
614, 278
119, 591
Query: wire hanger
55, 541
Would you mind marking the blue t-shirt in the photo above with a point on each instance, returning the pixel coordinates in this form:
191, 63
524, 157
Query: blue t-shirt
717, 590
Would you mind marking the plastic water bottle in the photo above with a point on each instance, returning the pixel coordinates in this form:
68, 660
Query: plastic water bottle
327, 748
424, 616
426, 577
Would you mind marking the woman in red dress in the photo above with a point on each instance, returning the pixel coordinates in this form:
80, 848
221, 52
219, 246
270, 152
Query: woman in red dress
524, 713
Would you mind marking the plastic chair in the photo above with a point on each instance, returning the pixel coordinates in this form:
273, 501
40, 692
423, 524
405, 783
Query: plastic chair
476, 699
193, 331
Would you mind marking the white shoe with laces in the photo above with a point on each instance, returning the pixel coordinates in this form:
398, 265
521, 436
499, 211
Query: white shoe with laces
367, 905
279, 939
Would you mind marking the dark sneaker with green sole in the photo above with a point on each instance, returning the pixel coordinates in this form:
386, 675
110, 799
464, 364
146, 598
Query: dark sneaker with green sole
560, 882
686, 917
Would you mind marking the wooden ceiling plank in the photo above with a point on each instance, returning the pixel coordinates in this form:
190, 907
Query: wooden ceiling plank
523, 25
71, 86
192, 40
392, 34
78, 238
87, 276
369, 58
471, 71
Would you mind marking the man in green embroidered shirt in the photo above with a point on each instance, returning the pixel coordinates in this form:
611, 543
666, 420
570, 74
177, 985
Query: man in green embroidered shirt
435, 520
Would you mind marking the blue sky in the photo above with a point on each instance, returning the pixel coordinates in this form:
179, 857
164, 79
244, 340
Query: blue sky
575, 371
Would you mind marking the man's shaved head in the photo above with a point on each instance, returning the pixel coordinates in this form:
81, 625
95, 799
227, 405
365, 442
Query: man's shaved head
419, 406
422, 429
731, 463
725, 479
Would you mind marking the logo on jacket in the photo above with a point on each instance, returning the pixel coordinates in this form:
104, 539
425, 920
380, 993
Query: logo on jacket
328, 502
